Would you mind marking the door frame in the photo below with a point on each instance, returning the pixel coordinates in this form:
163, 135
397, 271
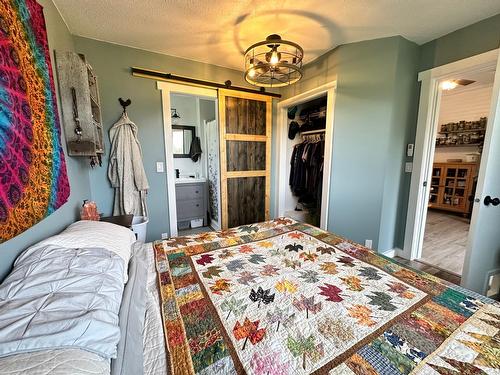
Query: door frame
168, 88
427, 127
224, 137
328, 89
216, 225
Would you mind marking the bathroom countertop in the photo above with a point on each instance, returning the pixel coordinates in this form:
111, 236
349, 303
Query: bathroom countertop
188, 180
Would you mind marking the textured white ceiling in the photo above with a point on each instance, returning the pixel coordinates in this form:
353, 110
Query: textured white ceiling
218, 31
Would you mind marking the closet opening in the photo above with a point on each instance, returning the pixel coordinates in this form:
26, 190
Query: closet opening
306, 134
306, 148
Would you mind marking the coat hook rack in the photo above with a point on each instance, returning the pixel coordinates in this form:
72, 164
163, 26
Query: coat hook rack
124, 104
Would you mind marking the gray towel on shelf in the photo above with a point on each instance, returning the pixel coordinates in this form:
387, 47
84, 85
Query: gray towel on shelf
195, 149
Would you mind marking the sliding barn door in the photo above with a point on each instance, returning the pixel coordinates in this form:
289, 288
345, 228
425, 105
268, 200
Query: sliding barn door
245, 142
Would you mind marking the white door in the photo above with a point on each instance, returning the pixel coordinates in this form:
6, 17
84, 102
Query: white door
483, 247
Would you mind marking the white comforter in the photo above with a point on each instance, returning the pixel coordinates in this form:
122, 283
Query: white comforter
57, 297
81, 362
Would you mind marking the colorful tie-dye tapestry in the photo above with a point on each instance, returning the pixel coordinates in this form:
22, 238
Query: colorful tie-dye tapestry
33, 178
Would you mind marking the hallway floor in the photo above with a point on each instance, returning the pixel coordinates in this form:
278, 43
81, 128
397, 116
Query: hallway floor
190, 232
445, 241
442, 274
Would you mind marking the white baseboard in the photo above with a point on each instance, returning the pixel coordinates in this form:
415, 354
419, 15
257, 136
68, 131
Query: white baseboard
391, 253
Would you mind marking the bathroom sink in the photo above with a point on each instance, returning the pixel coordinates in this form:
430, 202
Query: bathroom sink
184, 180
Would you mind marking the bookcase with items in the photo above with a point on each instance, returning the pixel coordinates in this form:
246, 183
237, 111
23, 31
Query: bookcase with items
452, 186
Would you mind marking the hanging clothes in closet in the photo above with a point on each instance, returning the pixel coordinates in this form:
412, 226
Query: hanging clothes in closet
306, 172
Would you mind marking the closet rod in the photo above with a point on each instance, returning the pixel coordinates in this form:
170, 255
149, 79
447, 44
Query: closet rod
314, 132
168, 77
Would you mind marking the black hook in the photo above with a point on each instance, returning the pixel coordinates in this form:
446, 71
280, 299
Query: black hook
124, 104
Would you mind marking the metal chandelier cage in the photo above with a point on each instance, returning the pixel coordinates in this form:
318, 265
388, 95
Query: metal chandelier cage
273, 62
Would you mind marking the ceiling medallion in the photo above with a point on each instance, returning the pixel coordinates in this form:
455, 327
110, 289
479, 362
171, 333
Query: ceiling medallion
273, 62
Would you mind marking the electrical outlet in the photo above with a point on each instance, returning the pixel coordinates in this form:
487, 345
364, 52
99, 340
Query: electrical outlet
408, 167
493, 285
368, 244
164, 236
159, 167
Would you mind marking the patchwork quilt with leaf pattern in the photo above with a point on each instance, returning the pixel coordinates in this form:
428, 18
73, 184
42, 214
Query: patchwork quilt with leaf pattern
282, 297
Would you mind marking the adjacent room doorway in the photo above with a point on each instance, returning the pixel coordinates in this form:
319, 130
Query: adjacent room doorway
183, 108
224, 179
452, 211
462, 121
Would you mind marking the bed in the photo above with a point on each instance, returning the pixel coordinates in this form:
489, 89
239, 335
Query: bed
282, 297
63, 329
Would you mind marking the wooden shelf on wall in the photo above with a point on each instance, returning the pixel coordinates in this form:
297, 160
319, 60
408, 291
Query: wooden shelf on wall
461, 145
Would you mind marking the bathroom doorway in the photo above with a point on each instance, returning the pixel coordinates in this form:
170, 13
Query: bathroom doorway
192, 158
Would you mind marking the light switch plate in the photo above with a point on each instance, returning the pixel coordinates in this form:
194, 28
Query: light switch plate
408, 167
159, 167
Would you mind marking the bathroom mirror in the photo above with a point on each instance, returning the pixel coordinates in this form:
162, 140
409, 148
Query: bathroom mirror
182, 136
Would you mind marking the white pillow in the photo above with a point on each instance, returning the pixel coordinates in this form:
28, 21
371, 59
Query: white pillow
87, 233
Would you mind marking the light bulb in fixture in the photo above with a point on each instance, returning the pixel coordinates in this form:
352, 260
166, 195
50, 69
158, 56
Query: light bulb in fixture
251, 70
448, 85
274, 57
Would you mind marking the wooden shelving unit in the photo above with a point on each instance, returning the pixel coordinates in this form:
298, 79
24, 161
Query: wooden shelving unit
451, 186
462, 134
81, 106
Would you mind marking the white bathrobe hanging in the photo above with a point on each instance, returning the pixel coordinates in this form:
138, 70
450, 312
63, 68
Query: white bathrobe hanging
126, 170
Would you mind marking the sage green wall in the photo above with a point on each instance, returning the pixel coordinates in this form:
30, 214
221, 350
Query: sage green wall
472, 40
112, 64
402, 132
59, 39
375, 91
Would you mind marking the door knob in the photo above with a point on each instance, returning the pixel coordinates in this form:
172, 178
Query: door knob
493, 201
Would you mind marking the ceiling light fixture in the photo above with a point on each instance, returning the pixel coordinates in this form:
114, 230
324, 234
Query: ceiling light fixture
448, 85
273, 62
451, 84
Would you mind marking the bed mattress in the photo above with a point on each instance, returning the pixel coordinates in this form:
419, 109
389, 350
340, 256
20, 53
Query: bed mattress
154, 340
81, 362
54, 362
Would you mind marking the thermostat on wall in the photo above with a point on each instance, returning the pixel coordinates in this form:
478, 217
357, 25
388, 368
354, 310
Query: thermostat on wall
409, 149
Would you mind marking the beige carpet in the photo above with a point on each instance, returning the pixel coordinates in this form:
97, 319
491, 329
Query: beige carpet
445, 240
